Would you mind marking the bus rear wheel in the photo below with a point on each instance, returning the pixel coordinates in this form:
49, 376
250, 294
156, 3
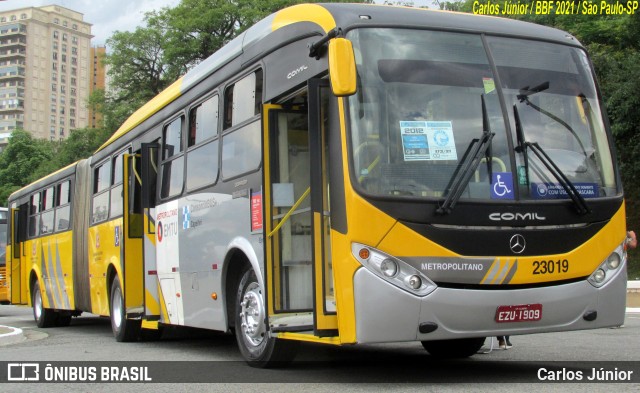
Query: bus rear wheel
45, 317
123, 329
454, 349
256, 346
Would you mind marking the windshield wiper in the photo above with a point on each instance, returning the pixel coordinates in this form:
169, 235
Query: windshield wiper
521, 148
569, 188
525, 92
472, 157
522, 145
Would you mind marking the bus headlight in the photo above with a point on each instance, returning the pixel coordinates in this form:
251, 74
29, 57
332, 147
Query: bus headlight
613, 261
608, 268
393, 270
389, 268
414, 282
599, 276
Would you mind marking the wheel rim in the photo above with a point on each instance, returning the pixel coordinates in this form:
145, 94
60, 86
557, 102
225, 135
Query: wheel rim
37, 304
252, 315
116, 312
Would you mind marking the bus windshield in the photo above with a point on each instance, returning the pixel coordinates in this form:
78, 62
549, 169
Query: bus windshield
419, 111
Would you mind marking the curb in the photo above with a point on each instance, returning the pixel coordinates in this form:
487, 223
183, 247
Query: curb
13, 336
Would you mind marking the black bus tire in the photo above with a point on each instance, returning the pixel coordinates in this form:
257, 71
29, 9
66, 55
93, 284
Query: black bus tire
124, 330
454, 349
45, 317
256, 346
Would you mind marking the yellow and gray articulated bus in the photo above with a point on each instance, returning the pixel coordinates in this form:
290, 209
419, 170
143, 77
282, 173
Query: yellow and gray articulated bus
344, 174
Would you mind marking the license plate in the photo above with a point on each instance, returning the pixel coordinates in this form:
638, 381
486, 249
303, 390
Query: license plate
519, 313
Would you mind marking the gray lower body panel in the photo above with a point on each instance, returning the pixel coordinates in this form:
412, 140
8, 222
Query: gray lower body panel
385, 313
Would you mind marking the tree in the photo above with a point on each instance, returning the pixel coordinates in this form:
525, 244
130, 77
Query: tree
81, 143
137, 65
172, 41
18, 161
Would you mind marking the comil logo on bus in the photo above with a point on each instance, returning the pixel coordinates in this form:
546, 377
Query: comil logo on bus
516, 216
296, 71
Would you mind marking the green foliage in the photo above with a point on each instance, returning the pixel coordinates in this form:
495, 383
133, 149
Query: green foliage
19, 159
26, 159
144, 62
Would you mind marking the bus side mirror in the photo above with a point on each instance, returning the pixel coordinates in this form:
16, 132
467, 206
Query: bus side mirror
342, 67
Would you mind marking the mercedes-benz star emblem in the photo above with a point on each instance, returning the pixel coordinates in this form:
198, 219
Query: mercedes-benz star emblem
517, 244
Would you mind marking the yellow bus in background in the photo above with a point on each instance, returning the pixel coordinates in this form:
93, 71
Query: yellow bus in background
4, 284
344, 174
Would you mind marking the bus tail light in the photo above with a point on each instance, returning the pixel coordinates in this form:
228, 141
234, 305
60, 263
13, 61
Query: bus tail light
393, 270
608, 268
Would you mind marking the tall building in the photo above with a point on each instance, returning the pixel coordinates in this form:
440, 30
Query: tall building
44, 71
97, 81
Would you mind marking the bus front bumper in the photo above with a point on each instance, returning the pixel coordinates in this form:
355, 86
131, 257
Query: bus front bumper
385, 313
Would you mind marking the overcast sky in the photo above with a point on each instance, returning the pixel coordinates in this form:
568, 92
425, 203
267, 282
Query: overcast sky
108, 16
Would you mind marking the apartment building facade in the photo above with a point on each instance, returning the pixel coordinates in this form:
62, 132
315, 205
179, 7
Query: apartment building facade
45, 68
97, 80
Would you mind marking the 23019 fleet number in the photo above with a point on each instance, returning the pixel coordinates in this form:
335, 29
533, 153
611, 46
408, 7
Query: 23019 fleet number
550, 267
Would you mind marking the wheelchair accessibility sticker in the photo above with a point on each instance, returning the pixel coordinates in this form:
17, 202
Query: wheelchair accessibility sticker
502, 185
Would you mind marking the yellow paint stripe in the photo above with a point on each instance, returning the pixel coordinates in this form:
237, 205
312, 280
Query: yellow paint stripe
490, 271
163, 305
309, 338
151, 303
149, 324
57, 275
304, 13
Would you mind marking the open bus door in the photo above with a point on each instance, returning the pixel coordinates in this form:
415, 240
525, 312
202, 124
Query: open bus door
147, 193
132, 238
19, 291
299, 277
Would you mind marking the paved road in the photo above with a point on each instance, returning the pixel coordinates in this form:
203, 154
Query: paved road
399, 367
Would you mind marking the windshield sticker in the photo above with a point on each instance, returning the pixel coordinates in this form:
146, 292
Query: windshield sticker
555, 191
428, 140
415, 142
502, 185
443, 147
522, 175
489, 85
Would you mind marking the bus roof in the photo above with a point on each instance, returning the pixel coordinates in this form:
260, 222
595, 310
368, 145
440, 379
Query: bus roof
345, 16
300, 13
49, 179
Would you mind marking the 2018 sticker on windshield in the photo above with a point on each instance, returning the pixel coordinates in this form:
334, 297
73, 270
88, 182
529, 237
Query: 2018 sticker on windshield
428, 140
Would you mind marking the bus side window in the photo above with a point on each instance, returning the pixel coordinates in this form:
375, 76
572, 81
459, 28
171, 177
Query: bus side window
47, 219
34, 215
202, 160
243, 99
173, 166
101, 183
63, 208
116, 189
203, 121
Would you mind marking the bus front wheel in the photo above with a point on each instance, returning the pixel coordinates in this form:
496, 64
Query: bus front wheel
457, 348
256, 346
123, 329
